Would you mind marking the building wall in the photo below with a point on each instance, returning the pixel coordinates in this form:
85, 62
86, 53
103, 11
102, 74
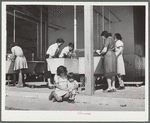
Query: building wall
61, 16
139, 36
125, 27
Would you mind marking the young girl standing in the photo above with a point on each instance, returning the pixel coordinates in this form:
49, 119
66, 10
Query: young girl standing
61, 92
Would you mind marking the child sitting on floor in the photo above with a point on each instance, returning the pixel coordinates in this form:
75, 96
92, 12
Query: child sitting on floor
72, 86
61, 92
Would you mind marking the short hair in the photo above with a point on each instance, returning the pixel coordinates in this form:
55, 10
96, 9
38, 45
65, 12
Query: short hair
71, 45
110, 34
13, 44
61, 69
70, 75
105, 34
60, 40
118, 36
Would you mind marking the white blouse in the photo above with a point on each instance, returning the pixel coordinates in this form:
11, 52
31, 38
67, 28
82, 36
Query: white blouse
53, 50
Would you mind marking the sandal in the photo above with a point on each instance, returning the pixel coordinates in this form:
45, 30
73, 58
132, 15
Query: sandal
114, 89
108, 90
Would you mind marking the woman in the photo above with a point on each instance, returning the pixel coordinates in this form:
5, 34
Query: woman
120, 63
52, 52
109, 63
68, 52
20, 61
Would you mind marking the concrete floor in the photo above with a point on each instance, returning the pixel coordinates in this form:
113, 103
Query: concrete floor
131, 100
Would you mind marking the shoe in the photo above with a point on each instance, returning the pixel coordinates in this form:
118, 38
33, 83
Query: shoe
71, 101
50, 87
51, 96
114, 89
121, 87
54, 100
19, 86
108, 90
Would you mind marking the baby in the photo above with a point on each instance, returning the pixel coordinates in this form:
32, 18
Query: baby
72, 86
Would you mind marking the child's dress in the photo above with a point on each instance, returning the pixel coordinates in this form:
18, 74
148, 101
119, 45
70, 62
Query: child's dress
63, 82
120, 62
20, 61
71, 85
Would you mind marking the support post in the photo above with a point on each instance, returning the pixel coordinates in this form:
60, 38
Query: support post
14, 27
75, 28
109, 22
38, 43
41, 32
98, 32
46, 44
103, 27
88, 41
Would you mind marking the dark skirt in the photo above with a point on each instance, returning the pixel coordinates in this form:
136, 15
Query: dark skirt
110, 64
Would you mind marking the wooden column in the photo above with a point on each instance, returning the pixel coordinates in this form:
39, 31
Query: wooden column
103, 27
75, 28
88, 41
109, 22
38, 43
41, 32
46, 34
98, 45
14, 26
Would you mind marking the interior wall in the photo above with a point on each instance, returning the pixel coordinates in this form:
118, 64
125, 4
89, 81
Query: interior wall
25, 30
125, 27
62, 16
139, 36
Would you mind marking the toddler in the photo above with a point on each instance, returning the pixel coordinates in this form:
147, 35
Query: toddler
72, 86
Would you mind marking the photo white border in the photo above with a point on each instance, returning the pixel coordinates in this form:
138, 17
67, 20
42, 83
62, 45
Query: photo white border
72, 115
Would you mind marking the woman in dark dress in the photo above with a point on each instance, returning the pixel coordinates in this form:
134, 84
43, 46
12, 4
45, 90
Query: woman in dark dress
110, 61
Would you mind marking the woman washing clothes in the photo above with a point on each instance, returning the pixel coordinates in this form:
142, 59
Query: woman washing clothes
109, 60
20, 62
68, 51
52, 52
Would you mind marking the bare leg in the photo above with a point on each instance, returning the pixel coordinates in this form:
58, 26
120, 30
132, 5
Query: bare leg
113, 82
58, 99
109, 83
67, 96
49, 82
20, 80
120, 80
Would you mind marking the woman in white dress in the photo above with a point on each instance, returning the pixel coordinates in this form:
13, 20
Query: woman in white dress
20, 61
119, 46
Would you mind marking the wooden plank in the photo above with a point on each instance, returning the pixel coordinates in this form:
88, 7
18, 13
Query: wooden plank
88, 41
132, 83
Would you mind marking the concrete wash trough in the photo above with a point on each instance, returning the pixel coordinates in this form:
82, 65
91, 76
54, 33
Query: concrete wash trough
76, 66
34, 67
